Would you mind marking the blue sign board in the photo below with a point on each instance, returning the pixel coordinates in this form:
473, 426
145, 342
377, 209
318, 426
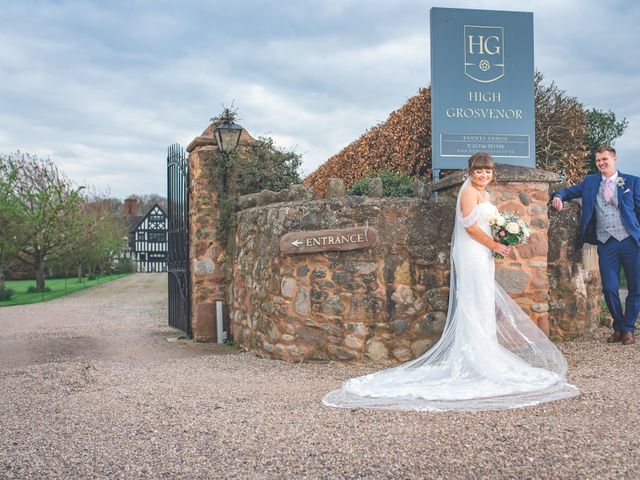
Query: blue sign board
482, 86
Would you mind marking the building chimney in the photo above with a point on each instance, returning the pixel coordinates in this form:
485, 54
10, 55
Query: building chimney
131, 206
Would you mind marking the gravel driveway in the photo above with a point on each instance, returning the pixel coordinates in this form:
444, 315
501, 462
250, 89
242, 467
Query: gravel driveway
91, 388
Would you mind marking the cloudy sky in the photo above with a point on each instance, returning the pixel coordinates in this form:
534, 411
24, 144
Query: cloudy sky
103, 87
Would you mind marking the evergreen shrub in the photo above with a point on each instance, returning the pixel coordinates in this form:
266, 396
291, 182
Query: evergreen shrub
6, 294
393, 184
35, 289
125, 265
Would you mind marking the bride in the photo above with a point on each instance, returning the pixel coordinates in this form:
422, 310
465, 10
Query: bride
490, 354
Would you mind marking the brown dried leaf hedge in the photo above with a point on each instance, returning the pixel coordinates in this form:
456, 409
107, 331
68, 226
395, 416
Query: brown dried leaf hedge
403, 142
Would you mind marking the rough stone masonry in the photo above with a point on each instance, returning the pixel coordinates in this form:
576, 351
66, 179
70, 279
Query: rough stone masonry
388, 303
385, 302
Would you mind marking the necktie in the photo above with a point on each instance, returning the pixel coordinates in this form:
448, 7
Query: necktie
607, 190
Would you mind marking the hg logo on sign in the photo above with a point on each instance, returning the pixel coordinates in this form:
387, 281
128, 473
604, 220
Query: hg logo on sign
483, 53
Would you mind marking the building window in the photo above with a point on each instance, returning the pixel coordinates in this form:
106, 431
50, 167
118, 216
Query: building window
156, 218
157, 237
140, 236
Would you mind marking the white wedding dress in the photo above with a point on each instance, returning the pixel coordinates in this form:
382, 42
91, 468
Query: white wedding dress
490, 355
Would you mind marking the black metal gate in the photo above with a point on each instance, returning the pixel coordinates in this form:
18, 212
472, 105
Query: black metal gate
178, 254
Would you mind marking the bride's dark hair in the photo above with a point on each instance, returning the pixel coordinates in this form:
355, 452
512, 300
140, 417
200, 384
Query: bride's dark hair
481, 161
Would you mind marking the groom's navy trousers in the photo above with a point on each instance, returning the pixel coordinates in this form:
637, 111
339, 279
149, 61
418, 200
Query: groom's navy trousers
611, 256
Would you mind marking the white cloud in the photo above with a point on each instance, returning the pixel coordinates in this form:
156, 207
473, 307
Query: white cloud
104, 88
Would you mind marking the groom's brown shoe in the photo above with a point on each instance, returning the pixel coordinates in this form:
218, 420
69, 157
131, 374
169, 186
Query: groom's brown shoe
615, 337
628, 338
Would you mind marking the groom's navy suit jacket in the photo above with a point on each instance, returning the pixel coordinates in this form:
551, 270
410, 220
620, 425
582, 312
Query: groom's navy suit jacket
628, 204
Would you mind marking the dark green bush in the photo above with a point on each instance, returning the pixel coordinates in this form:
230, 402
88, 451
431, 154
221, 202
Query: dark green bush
267, 168
125, 265
38, 290
393, 184
360, 188
6, 294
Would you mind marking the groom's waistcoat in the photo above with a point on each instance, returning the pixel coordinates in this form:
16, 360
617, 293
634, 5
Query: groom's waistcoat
627, 198
608, 221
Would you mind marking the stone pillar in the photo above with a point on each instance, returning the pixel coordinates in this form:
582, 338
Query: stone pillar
574, 275
208, 256
524, 275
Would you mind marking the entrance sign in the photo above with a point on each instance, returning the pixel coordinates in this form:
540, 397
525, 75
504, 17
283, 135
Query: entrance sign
328, 240
482, 87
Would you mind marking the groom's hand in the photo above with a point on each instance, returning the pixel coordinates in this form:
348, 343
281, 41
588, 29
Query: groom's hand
557, 203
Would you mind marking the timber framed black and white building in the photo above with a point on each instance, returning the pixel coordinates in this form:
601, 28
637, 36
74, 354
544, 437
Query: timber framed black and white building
148, 243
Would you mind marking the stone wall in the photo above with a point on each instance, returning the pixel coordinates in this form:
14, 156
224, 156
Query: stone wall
388, 303
385, 303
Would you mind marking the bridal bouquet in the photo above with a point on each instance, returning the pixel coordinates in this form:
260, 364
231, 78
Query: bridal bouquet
508, 229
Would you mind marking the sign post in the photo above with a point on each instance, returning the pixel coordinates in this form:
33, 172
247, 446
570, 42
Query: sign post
482, 87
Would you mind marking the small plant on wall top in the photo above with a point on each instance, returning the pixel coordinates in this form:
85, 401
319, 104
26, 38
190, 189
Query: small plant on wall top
393, 184
227, 115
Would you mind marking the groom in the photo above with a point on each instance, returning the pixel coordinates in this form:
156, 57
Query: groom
611, 220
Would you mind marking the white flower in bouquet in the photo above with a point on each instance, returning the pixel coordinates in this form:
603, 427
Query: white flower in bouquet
513, 227
508, 229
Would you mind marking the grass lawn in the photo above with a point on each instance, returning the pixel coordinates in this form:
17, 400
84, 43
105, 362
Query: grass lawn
59, 288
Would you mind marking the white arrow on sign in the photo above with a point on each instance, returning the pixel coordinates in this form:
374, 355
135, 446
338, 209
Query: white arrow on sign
297, 243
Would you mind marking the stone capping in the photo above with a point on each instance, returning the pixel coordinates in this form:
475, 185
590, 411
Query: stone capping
335, 188
301, 193
269, 198
266, 197
504, 173
204, 141
207, 138
201, 142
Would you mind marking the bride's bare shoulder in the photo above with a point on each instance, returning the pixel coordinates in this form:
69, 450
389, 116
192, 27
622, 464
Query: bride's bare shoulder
468, 199
468, 191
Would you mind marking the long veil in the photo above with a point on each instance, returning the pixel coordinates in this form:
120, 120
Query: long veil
490, 355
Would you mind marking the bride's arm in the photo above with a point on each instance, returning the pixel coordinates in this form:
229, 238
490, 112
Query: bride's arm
468, 201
